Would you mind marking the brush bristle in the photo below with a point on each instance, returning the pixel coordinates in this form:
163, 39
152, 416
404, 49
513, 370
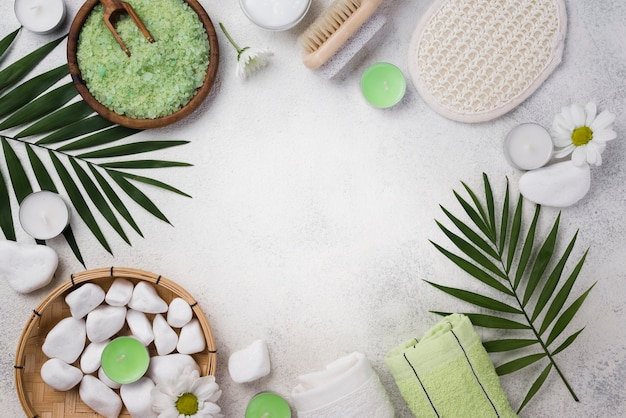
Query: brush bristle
327, 24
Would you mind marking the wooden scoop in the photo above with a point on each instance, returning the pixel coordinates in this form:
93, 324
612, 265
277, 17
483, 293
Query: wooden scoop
112, 10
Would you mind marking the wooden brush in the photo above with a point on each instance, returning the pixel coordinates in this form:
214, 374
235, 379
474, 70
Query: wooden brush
333, 28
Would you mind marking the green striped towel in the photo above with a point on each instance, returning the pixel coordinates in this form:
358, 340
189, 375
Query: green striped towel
448, 374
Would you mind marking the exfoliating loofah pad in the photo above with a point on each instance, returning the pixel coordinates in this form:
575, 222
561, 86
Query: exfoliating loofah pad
475, 60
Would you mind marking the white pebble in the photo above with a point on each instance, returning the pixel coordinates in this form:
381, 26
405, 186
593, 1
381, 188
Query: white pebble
91, 359
119, 293
165, 338
146, 299
104, 322
99, 397
106, 380
137, 398
84, 299
179, 313
559, 185
27, 267
191, 339
66, 340
163, 369
140, 326
60, 375
250, 363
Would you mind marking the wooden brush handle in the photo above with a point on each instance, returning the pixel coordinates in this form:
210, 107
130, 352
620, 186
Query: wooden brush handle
319, 57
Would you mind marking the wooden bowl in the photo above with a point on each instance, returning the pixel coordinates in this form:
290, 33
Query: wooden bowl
40, 400
123, 120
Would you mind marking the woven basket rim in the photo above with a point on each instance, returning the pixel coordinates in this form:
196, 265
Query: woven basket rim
76, 280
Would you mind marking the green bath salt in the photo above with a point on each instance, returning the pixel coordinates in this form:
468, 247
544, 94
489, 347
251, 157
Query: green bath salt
158, 78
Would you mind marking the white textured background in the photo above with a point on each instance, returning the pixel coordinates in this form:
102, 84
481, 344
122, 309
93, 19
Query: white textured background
312, 211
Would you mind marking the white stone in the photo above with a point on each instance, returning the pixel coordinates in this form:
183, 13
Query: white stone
559, 185
165, 338
146, 299
27, 267
191, 339
179, 313
84, 299
120, 292
91, 359
163, 369
104, 322
140, 326
66, 340
250, 363
137, 398
60, 375
100, 397
106, 380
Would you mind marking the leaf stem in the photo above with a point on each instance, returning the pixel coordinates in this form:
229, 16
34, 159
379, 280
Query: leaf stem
534, 330
230, 39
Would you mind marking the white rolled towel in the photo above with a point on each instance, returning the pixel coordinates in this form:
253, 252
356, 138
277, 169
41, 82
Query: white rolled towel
348, 388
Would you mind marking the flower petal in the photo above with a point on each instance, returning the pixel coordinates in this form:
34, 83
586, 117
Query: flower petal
564, 151
577, 115
604, 120
590, 111
604, 135
579, 156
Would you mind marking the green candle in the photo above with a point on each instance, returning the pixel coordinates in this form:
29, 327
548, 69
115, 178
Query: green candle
125, 360
383, 84
268, 405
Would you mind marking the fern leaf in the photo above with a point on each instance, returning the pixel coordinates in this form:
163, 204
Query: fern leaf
7, 41
104, 137
534, 388
76, 129
519, 363
525, 262
99, 201
79, 201
498, 346
115, 200
541, 261
19, 179
41, 106
58, 119
27, 91
153, 182
6, 215
21, 67
137, 195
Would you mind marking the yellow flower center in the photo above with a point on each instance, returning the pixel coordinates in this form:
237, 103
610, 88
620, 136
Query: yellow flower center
187, 404
582, 136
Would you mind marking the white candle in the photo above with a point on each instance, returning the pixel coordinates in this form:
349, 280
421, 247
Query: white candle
275, 14
44, 215
528, 146
40, 16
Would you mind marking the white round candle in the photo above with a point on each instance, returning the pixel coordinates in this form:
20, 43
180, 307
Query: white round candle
528, 146
44, 215
40, 16
275, 14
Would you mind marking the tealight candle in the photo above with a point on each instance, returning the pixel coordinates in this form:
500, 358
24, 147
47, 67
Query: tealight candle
44, 215
383, 85
528, 146
268, 405
125, 360
40, 16
275, 14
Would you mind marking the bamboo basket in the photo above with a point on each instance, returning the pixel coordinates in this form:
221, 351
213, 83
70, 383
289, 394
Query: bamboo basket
40, 400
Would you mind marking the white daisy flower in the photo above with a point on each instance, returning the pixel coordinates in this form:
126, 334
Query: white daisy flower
582, 133
249, 60
189, 395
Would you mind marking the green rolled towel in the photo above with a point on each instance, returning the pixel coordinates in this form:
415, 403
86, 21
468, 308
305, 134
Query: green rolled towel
448, 374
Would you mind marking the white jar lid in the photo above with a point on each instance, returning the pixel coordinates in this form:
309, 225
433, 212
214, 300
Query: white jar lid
275, 14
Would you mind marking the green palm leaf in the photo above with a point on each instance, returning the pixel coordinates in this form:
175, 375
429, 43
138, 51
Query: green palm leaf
527, 291
59, 132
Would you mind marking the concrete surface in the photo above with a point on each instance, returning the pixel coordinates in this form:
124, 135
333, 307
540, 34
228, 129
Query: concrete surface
311, 214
